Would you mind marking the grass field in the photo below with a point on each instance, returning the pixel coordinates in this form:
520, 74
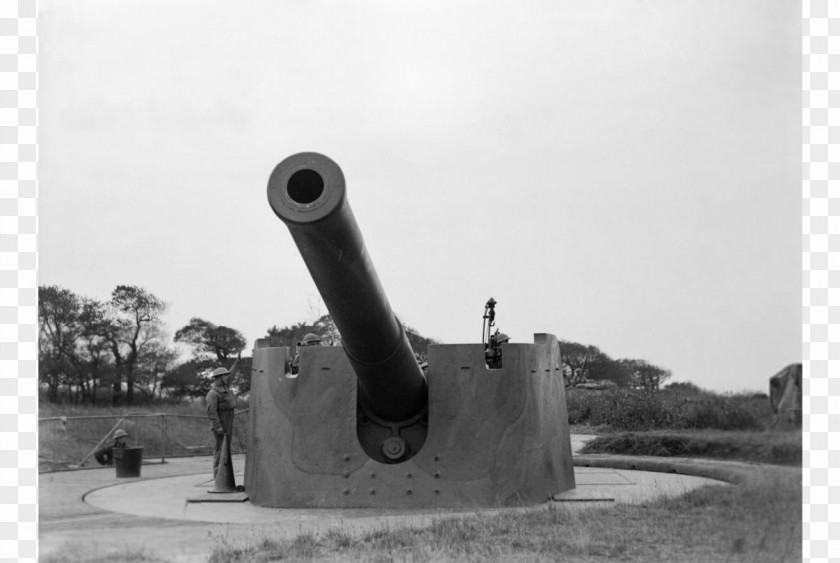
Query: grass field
758, 520
755, 522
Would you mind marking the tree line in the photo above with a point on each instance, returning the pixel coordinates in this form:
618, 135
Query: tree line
118, 351
584, 363
85, 344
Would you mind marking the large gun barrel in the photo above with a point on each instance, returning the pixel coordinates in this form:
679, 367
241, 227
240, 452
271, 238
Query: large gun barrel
307, 192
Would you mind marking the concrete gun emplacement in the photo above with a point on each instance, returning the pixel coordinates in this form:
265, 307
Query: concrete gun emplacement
361, 425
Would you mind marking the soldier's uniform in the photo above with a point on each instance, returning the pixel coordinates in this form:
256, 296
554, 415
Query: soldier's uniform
220, 405
493, 353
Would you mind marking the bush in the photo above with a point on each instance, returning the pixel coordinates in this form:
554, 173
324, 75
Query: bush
618, 408
762, 447
680, 407
717, 412
684, 387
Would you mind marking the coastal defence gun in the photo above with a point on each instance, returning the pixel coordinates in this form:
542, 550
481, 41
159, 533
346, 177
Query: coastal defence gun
362, 425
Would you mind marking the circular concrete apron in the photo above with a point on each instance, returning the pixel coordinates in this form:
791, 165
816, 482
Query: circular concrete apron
167, 498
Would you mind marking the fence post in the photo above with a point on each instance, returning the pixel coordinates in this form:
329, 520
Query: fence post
165, 437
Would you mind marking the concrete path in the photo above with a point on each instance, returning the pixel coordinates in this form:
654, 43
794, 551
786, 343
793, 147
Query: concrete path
93, 510
579, 440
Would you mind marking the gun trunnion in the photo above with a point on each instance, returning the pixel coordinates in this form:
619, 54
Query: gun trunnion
362, 427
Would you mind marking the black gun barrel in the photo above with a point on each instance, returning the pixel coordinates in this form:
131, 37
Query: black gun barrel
307, 192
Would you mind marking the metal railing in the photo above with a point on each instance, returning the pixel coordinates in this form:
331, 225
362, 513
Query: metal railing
69, 442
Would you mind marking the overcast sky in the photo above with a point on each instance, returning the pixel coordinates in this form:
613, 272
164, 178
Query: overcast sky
622, 173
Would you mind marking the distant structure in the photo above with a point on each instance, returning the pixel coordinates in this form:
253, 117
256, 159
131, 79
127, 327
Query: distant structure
786, 397
364, 426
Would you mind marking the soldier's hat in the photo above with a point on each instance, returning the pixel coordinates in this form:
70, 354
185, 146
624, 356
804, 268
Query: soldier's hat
311, 337
219, 371
501, 337
120, 433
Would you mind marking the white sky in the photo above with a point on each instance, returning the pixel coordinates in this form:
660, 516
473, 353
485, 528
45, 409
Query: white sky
623, 173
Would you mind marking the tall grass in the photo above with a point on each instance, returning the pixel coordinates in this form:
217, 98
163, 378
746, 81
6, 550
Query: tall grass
84, 552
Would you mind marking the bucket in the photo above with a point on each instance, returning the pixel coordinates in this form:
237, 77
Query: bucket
128, 461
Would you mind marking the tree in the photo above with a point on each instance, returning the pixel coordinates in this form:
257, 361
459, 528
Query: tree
292, 334
208, 339
322, 323
644, 375
98, 362
419, 343
71, 351
578, 359
188, 379
326, 329
604, 368
58, 323
134, 315
325, 326
684, 388
83, 341
212, 345
155, 360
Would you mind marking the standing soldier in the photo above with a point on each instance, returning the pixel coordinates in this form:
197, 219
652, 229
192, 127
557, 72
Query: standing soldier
220, 405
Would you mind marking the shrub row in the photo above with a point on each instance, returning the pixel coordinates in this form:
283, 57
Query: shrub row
772, 447
623, 409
